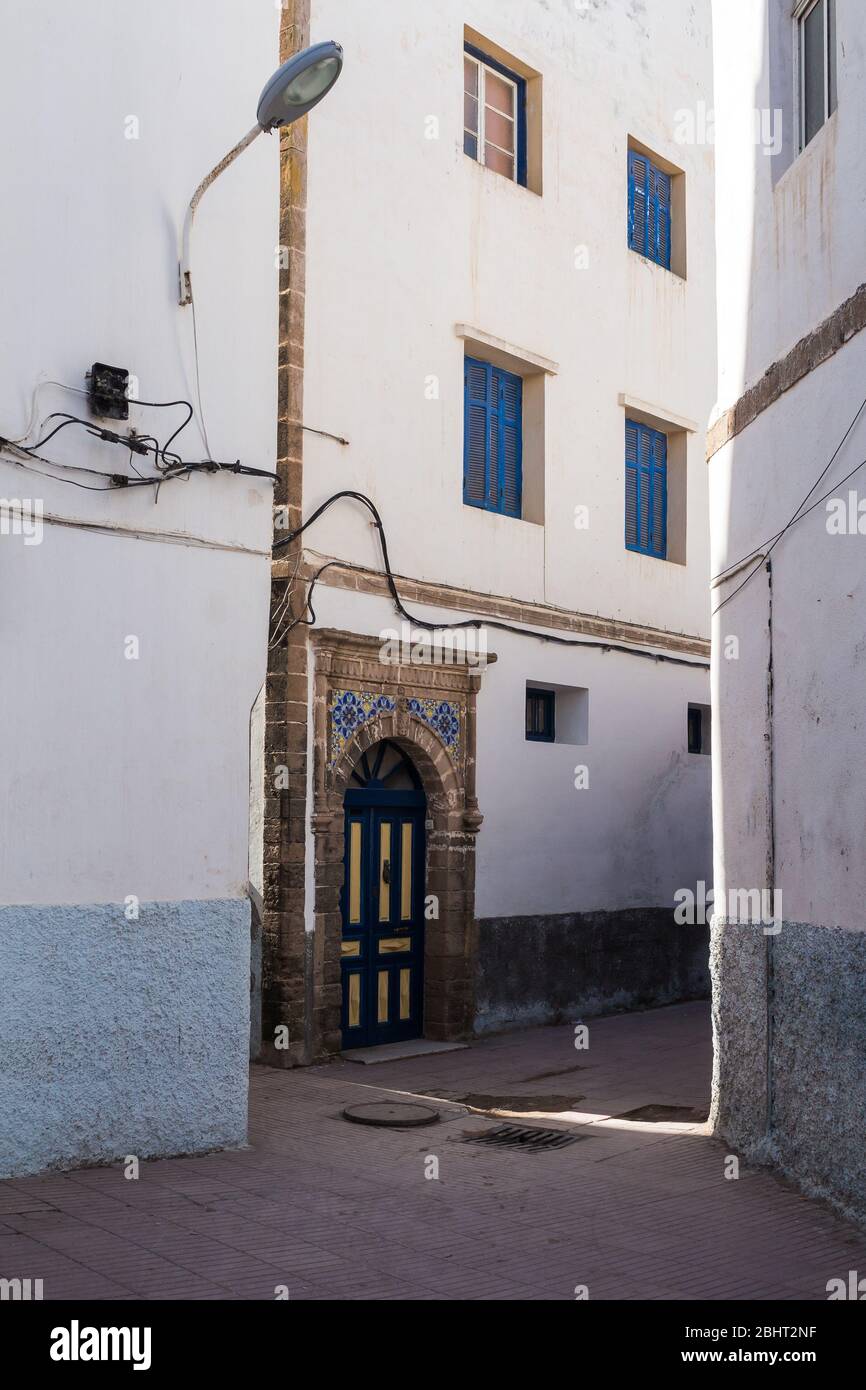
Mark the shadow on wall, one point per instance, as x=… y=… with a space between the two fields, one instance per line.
x=551 y=969
x=789 y=1027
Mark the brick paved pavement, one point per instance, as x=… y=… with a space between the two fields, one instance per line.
x=334 y=1210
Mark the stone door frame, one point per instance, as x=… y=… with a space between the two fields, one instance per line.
x=429 y=710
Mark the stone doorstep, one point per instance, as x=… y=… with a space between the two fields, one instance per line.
x=396 y=1052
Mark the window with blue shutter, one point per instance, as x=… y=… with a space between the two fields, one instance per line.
x=492 y=438
x=649 y=209
x=646 y=490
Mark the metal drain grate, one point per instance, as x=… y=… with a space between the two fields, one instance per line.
x=530 y=1139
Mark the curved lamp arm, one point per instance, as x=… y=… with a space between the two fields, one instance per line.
x=184 y=280
x=293 y=90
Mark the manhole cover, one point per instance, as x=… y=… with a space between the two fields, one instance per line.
x=671 y=1114
x=525 y=1137
x=391 y=1114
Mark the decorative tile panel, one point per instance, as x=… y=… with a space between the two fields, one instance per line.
x=443 y=717
x=348 y=710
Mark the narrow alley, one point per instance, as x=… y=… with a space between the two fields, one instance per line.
x=318 y=1208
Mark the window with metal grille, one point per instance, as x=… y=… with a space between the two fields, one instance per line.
x=816 y=24
x=541 y=716
x=494 y=115
x=646 y=490
x=649 y=209
x=492 y=438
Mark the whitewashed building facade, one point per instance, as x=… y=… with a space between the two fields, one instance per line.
x=134 y=625
x=788 y=507
x=497 y=325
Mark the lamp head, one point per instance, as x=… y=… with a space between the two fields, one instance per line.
x=299 y=85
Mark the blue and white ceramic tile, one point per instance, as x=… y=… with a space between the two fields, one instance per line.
x=442 y=717
x=349 y=710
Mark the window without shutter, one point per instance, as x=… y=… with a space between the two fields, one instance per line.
x=492 y=438
x=818 y=65
x=646 y=490
x=541 y=716
x=494 y=115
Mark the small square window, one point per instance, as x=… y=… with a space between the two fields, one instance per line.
x=541 y=716
x=494 y=115
x=699 y=728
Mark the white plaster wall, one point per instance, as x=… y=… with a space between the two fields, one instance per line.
x=790 y=248
x=408 y=237
x=123 y=778
x=131 y=776
x=819 y=656
x=788 y=255
x=639 y=831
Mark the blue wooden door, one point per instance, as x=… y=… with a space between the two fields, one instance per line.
x=382 y=948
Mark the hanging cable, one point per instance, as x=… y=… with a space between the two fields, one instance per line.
x=173 y=467
x=466 y=622
x=761 y=556
x=198 y=381
x=772 y=541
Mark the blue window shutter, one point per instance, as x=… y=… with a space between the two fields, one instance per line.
x=494 y=435
x=511 y=410
x=659 y=494
x=649 y=209
x=631 y=489
x=646 y=490
x=638 y=198
x=492 y=438
x=660 y=198
x=644 y=483
x=475 y=435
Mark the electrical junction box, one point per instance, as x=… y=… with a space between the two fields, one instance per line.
x=108 y=391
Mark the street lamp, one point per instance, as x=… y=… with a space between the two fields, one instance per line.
x=294 y=89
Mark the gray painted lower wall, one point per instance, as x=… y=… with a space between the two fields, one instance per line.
x=576 y=965
x=815 y=1125
x=122 y=1037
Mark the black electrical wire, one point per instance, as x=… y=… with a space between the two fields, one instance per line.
x=308 y=607
x=57 y=415
x=172 y=464
x=103 y=433
x=773 y=541
x=54 y=463
x=87 y=487
x=764 y=555
x=120 y=481
x=466 y=622
x=160 y=405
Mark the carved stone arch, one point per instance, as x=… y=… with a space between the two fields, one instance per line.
x=381 y=697
x=436 y=769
